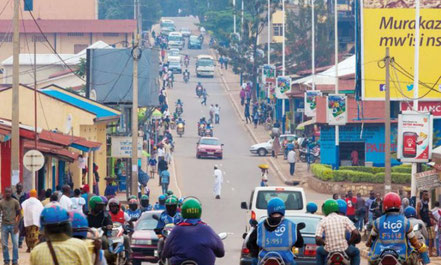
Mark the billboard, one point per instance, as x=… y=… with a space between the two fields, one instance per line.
x=268 y=73
x=414 y=137
x=283 y=86
x=336 y=109
x=432 y=107
x=391 y=23
x=311 y=102
x=122 y=147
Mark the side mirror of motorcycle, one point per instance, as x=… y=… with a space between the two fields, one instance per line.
x=300 y=226
x=156 y=217
x=223 y=235
x=244 y=235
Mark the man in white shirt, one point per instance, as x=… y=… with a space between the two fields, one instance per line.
x=292 y=161
x=32 y=208
x=216 y=114
x=65 y=200
x=77 y=201
x=218 y=180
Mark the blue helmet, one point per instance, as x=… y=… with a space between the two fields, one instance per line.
x=276 y=205
x=410 y=212
x=80 y=224
x=161 y=199
x=53 y=215
x=311 y=207
x=342 y=206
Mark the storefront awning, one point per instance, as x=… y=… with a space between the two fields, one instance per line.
x=302 y=125
x=68 y=140
x=51 y=149
x=85 y=145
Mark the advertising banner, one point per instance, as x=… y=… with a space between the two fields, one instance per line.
x=336 y=109
x=432 y=107
x=391 y=23
x=414 y=137
x=268 y=73
x=283 y=86
x=311 y=102
x=122 y=147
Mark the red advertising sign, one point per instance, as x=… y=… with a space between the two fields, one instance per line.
x=433 y=107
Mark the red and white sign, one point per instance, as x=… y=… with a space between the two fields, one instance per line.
x=433 y=107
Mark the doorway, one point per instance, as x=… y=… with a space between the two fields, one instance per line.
x=346 y=149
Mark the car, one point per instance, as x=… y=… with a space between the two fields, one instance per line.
x=144 y=241
x=166 y=30
x=262 y=149
x=194 y=42
x=185 y=32
x=174 y=55
x=304 y=255
x=175 y=67
x=175 y=40
x=209 y=147
x=205 y=66
x=294 y=198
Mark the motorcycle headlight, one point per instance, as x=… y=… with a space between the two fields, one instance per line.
x=141 y=242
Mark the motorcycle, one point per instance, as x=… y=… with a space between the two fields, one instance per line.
x=186 y=62
x=389 y=257
x=179 y=109
x=201 y=129
x=338 y=258
x=209 y=132
x=161 y=242
x=415 y=256
x=116 y=244
x=199 y=91
x=170 y=82
x=180 y=129
x=314 y=154
x=186 y=78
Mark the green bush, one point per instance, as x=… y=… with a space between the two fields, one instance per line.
x=402 y=169
x=360 y=174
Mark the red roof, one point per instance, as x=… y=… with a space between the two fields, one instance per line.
x=72 y=26
x=54 y=137
x=51 y=149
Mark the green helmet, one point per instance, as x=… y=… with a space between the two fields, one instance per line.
x=144 y=197
x=132 y=197
x=191 y=209
x=94 y=201
x=169 y=192
x=172 y=200
x=330 y=206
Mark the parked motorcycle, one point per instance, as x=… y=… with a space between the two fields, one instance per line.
x=180 y=129
x=314 y=154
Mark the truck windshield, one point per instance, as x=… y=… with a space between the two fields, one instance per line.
x=205 y=62
x=293 y=199
x=174 y=38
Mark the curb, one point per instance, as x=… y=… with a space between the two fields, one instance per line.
x=251 y=133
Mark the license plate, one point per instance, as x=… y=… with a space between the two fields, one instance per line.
x=210 y=153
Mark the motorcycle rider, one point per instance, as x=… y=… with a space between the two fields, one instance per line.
x=187 y=59
x=276 y=234
x=133 y=211
x=98 y=217
x=171 y=214
x=119 y=216
x=160 y=204
x=392 y=231
x=145 y=204
x=311 y=208
x=192 y=239
x=199 y=89
x=186 y=74
x=331 y=237
x=421 y=233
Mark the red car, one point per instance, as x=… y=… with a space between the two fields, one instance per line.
x=209 y=147
x=144 y=242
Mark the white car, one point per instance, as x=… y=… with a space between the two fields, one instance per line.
x=174 y=55
x=262 y=149
x=185 y=32
x=294 y=198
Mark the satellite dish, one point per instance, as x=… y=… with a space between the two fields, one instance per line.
x=92 y=95
x=68 y=124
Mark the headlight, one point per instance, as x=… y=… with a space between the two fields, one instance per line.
x=253 y=148
x=141 y=242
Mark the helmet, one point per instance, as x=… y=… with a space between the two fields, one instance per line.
x=133 y=201
x=161 y=199
x=181 y=201
x=53 y=215
x=342 y=206
x=391 y=201
x=311 y=207
x=80 y=224
x=191 y=209
x=104 y=198
x=330 y=206
x=169 y=192
x=410 y=212
x=94 y=201
x=132 y=197
x=172 y=200
x=144 y=197
x=276 y=205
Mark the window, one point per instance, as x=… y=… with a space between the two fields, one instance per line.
x=75 y=34
x=109 y=34
x=6 y=37
x=79 y=47
x=293 y=199
x=277 y=28
x=38 y=38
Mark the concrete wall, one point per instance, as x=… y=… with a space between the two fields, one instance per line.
x=55 y=9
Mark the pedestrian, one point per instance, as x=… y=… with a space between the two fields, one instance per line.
x=10 y=212
x=255 y=119
x=351 y=201
x=436 y=213
x=377 y=207
x=65 y=200
x=165 y=180
x=218 y=180
x=291 y=157
x=152 y=164
x=162 y=165
x=47 y=195
x=162 y=54
x=168 y=152
x=161 y=151
x=111 y=189
x=247 y=113
x=216 y=114
x=19 y=195
x=276 y=146
x=85 y=195
x=369 y=202
x=360 y=212
x=60 y=247
x=204 y=97
x=335 y=196
x=242 y=96
x=96 y=189
x=78 y=202
x=354 y=158
x=221 y=62
x=423 y=212
x=211 y=113
x=264 y=175
x=32 y=208
x=226 y=63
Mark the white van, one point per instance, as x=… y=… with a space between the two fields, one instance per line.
x=175 y=40
x=205 y=66
x=294 y=198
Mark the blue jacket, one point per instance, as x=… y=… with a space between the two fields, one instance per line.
x=193 y=240
x=165 y=177
x=165 y=218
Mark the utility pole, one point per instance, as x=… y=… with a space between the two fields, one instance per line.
x=35 y=107
x=269 y=32
x=15 y=149
x=241 y=19
x=283 y=55
x=387 y=165
x=313 y=44
x=234 y=14
x=136 y=53
x=337 y=129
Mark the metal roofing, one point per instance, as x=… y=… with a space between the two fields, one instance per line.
x=80 y=103
x=72 y=26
